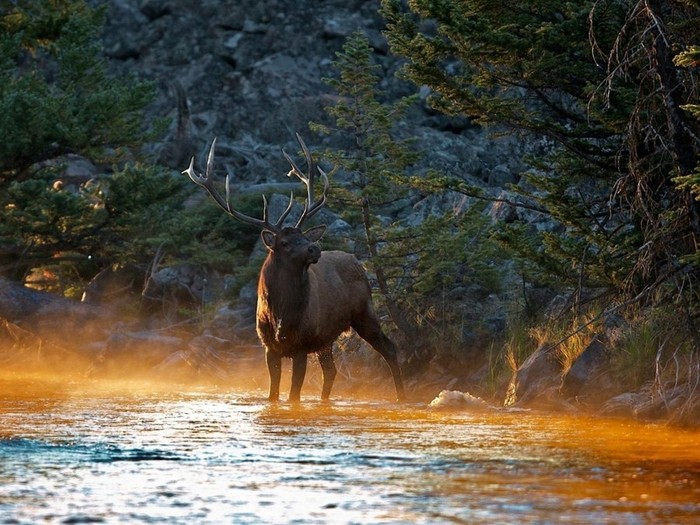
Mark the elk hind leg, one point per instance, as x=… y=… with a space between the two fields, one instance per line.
x=368 y=328
x=325 y=359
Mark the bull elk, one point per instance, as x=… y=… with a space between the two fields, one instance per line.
x=306 y=297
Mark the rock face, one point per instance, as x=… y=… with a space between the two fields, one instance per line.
x=251 y=73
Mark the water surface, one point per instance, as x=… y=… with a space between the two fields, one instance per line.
x=83 y=455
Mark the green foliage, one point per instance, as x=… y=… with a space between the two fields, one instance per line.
x=204 y=235
x=595 y=84
x=479 y=59
x=69 y=234
x=56 y=97
x=690 y=59
x=42 y=215
x=143 y=206
x=441 y=255
x=146 y=215
x=416 y=267
x=377 y=158
x=55 y=93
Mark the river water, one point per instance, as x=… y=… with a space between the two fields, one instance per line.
x=78 y=454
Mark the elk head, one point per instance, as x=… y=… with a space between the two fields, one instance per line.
x=291 y=243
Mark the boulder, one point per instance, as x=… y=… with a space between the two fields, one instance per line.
x=114 y=285
x=49 y=316
x=538 y=379
x=135 y=353
x=454 y=399
x=622 y=405
x=587 y=378
x=18 y=302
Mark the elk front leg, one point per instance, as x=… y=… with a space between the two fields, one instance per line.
x=325 y=359
x=298 y=373
x=274 y=368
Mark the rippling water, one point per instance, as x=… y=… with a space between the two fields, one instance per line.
x=216 y=456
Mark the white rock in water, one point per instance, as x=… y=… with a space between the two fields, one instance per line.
x=448 y=399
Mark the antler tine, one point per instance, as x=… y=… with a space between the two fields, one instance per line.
x=322 y=201
x=295 y=170
x=310 y=207
x=206 y=181
x=280 y=221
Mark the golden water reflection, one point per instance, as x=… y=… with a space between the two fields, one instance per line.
x=145 y=455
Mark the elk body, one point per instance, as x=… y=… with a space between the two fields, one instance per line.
x=306 y=297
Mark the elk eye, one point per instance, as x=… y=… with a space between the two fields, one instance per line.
x=284 y=244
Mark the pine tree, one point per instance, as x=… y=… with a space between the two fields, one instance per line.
x=415 y=266
x=56 y=95
x=375 y=160
x=56 y=98
x=689 y=60
x=595 y=83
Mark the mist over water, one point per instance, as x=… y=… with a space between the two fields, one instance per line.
x=128 y=453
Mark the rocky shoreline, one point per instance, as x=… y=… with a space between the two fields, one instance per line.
x=59 y=337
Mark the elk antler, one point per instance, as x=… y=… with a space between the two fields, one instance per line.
x=310 y=207
x=206 y=182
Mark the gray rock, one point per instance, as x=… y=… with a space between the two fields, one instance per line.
x=587 y=377
x=502 y=211
x=537 y=378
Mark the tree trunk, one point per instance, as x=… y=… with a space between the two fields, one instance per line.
x=396 y=313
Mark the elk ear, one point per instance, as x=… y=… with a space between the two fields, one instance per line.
x=314 y=234
x=268 y=239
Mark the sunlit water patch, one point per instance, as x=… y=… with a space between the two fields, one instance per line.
x=208 y=456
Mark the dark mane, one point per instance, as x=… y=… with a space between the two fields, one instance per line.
x=286 y=294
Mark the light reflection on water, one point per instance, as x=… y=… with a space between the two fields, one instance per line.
x=211 y=456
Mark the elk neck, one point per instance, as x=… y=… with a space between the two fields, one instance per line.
x=285 y=288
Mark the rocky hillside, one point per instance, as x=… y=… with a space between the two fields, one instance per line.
x=252 y=73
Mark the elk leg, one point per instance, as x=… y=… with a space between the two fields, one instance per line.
x=369 y=329
x=298 y=373
x=274 y=368
x=325 y=359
